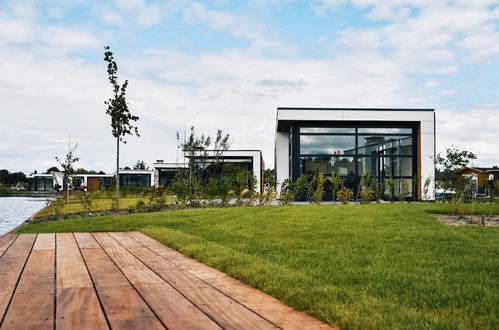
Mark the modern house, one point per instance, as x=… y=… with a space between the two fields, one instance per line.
x=386 y=143
x=45 y=182
x=90 y=182
x=136 y=178
x=211 y=162
x=164 y=173
x=481 y=177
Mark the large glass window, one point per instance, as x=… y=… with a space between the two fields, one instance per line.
x=384 y=145
x=327 y=144
x=136 y=180
x=327 y=164
x=383 y=151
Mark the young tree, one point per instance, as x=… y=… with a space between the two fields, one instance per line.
x=117 y=108
x=196 y=148
x=68 y=170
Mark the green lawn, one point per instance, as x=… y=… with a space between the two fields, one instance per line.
x=353 y=266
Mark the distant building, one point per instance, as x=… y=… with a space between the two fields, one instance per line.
x=164 y=173
x=481 y=176
x=211 y=162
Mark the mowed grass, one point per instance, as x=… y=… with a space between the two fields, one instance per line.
x=353 y=266
x=100 y=204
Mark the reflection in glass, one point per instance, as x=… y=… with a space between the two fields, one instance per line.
x=326 y=164
x=385 y=145
x=385 y=166
x=327 y=144
x=386 y=130
x=327 y=130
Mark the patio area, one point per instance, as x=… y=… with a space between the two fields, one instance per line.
x=125 y=280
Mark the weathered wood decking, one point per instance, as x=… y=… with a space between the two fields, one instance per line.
x=125 y=280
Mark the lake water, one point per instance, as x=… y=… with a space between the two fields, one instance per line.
x=15 y=210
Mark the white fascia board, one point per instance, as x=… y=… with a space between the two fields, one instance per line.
x=136 y=171
x=354 y=115
x=171 y=165
x=291 y=114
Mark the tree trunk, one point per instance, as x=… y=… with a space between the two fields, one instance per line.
x=117 y=191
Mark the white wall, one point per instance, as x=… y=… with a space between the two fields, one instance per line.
x=281 y=157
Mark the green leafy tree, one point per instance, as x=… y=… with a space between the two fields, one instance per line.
x=52 y=169
x=448 y=165
x=68 y=169
x=117 y=108
x=140 y=165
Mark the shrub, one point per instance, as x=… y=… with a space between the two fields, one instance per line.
x=366 y=196
x=140 y=205
x=335 y=180
x=391 y=186
x=132 y=209
x=55 y=206
x=157 y=199
x=318 y=182
x=344 y=195
x=180 y=187
x=287 y=196
x=86 y=202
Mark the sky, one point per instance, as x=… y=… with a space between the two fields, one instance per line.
x=229 y=64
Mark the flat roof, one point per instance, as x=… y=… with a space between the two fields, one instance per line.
x=356 y=109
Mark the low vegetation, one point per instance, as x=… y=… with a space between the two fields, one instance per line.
x=353 y=266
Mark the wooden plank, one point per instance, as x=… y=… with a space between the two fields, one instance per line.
x=44 y=242
x=32 y=305
x=71 y=270
x=174 y=310
x=123 y=306
x=11 y=265
x=77 y=302
x=227 y=312
x=265 y=305
x=5 y=242
x=86 y=241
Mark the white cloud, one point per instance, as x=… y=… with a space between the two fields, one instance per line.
x=474 y=130
x=46 y=94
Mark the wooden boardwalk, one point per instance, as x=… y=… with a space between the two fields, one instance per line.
x=125 y=281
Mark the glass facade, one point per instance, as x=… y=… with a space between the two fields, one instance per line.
x=135 y=180
x=41 y=183
x=167 y=175
x=384 y=150
x=211 y=168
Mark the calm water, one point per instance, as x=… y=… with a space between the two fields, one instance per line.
x=14 y=210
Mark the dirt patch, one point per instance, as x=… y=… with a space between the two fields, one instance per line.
x=466 y=220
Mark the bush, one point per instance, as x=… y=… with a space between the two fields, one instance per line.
x=140 y=205
x=157 y=200
x=55 y=206
x=287 y=196
x=86 y=202
x=344 y=195
x=318 y=182
x=366 y=196
x=132 y=209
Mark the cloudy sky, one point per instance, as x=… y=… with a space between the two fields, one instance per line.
x=230 y=64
